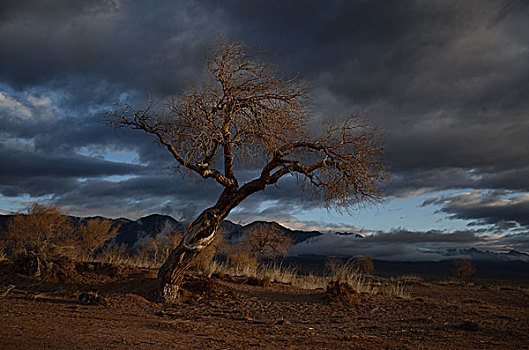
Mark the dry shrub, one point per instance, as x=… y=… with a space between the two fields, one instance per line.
x=340 y=270
x=94 y=234
x=343 y=274
x=241 y=260
x=48 y=232
x=310 y=281
x=348 y=272
x=340 y=292
x=463 y=269
x=256 y=274
x=243 y=257
x=276 y=272
x=364 y=264
x=40 y=231
x=397 y=289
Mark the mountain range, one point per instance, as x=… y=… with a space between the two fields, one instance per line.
x=133 y=232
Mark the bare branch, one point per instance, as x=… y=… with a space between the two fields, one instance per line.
x=142 y=119
x=248 y=116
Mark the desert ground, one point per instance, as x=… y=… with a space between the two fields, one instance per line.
x=103 y=306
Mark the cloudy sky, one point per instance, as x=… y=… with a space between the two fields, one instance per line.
x=447 y=81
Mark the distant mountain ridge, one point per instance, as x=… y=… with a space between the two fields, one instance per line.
x=131 y=232
x=234 y=231
x=476 y=254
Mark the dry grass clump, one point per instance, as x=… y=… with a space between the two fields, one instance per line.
x=271 y=272
x=115 y=253
x=349 y=272
x=343 y=274
x=3 y=255
x=395 y=289
x=310 y=281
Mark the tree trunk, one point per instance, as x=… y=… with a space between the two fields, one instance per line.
x=197 y=236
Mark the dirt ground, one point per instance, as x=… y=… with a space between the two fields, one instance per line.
x=93 y=306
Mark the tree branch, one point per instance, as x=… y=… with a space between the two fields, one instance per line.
x=141 y=120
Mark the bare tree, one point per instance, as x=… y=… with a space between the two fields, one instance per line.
x=268 y=242
x=249 y=116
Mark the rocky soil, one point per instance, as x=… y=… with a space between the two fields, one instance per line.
x=97 y=306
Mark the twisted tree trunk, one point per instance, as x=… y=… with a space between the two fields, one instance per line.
x=197 y=236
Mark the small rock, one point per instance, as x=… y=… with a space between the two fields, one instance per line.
x=469 y=326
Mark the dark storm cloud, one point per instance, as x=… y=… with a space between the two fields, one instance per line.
x=447 y=83
x=134 y=197
x=504 y=212
x=26 y=164
x=38 y=174
x=130 y=43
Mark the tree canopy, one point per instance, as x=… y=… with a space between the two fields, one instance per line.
x=249 y=115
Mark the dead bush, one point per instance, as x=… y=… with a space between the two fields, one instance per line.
x=241 y=260
x=93 y=235
x=338 y=269
x=463 y=269
x=43 y=231
x=364 y=264
x=49 y=233
x=337 y=291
